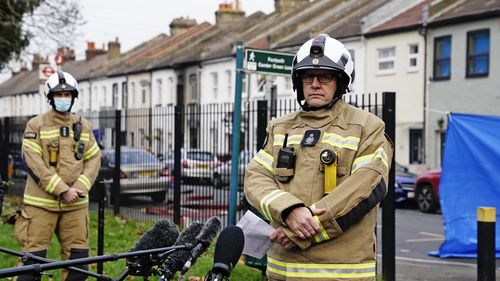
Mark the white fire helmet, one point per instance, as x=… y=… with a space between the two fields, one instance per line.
x=323 y=52
x=60 y=82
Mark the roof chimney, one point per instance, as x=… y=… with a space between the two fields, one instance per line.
x=92 y=52
x=67 y=53
x=37 y=60
x=114 y=50
x=282 y=6
x=179 y=25
x=228 y=13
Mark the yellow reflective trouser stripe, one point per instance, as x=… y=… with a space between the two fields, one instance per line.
x=264 y=203
x=54 y=181
x=321 y=235
x=310 y=270
x=83 y=179
x=91 y=152
x=363 y=160
x=49 y=134
x=33 y=146
x=351 y=143
x=279 y=139
x=265 y=159
x=43 y=202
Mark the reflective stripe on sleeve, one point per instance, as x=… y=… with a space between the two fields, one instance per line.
x=321 y=235
x=295 y=139
x=33 y=146
x=264 y=203
x=86 y=182
x=91 y=152
x=363 y=160
x=314 y=270
x=351 y=143
x=265 y=159
x=54 y=181
x=279 y=139
x=43 y=202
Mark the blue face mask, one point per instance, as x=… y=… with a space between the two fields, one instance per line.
x=62 y=104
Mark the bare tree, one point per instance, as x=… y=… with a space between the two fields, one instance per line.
x=37 y=26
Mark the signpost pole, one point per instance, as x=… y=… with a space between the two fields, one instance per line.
x=235 y=149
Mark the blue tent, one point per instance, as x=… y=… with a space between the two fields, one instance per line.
x=470 y=179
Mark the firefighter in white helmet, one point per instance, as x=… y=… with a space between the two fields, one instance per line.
x=63 y=159
x=321 y=174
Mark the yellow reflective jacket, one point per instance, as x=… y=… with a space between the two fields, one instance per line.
x=344 y=248
x=46 y=182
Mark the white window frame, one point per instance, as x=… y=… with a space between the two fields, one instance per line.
x=412 y=56
x=159 y=84
x=386 y=59
x=229 y=84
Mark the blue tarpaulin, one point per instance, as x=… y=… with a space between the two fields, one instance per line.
x=470 y=179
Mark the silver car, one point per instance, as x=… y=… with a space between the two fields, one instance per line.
x=141 y=173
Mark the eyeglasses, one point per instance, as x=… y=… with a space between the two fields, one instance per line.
x=323 y=78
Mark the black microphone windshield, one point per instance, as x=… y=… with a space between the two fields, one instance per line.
x=228 y=249
x=209 y=231
x=162 y=234
x=176 y=260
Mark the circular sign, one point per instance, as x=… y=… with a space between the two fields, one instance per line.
x=48 y=70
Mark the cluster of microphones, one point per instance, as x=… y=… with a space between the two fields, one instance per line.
x=163 y=251
x=228 y=247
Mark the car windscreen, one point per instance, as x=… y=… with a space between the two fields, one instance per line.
x=133 y=157
x=200 y=156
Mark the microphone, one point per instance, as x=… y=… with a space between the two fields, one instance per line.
x=176 y=260
x=227 y=252
x=203 y=240
x=162 y=234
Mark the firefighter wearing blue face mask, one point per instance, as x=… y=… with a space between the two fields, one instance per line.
x=63 y=159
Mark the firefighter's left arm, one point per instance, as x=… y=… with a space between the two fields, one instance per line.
x=91 y=163
x=356 y=196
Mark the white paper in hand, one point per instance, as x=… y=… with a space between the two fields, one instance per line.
x=257 y=233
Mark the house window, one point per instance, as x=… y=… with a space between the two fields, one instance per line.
x=142 y=136
x=143 y=95
x=228 y=75
x=288 y=83
x=133 y=92
x=351 y=51
x=413 y=58
x=478 y=53
x=124 y=95
x=214 y=84
x=104 y=94
x=244 y=83
x=115 y=94
x=160 y=94
x=193 y=86
x=442 y=58
x=386 y=60
x=415 y=146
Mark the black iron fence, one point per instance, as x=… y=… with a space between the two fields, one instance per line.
x=145 y=139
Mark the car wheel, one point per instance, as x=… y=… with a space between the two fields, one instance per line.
x=217 y=182
x=426 y=199
x=158 y=197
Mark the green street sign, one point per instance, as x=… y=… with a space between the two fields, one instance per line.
x=268 y=62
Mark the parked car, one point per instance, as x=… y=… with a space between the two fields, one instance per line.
x=222 y=174
x=405 y=181
x=140 y=173
x=427 y=191
x=197 y=165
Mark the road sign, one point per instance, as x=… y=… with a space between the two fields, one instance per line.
x=45 y=70
x=269 y=62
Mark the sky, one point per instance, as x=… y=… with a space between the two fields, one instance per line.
x=134 y=22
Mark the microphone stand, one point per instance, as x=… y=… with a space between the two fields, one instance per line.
x=90 y=260
x=26 y=256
